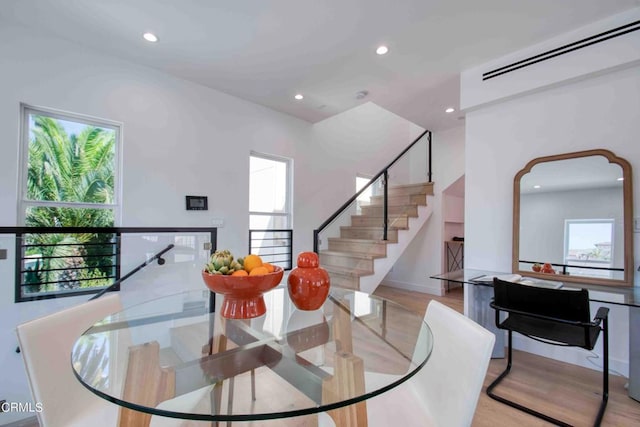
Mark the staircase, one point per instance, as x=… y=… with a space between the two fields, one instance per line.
x=360 y=258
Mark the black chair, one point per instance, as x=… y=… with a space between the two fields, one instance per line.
x=553 y=316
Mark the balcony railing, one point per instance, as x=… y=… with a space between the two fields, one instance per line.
x=52 y=262
x=273 y=246
x=579 y=268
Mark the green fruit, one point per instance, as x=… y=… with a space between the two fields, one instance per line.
x=222 y=262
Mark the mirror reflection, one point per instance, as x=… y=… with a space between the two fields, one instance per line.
x=571 y=218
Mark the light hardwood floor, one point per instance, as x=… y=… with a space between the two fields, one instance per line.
x=562 y=390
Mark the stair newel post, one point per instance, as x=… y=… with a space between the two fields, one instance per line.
x=429 y=159
x=385 y=205
x=316 y=241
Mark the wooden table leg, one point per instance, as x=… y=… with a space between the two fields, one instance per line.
x=146 y=383
x=342 y=328
x=217 y=344
x=347 y=382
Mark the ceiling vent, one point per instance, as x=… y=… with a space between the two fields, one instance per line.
x=616 y=32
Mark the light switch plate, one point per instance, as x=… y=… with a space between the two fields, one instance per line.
x=636 y=224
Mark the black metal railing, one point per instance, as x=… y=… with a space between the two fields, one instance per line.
x=565 y=267
x=273 y=246
x=52 y=262
x=116 y=285
x=384 y=176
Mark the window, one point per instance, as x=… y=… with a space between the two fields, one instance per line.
x=69 y=178
x=269 y=192
x=365 y=197
x=589 y=243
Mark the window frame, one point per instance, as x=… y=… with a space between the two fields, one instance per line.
x=288 y=205
x=23 y=202
x=567 y=237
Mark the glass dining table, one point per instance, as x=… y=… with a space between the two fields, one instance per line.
x=176 y=357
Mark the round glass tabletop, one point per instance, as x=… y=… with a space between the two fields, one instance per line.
x=173 y=357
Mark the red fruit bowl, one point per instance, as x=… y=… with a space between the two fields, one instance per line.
x=242 y=294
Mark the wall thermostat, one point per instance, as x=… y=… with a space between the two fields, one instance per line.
x=197 y=203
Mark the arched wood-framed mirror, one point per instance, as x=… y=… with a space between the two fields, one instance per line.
x=574 y=211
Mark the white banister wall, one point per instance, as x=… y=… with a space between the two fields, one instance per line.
x=423 y=256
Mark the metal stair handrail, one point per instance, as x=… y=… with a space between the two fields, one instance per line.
x=383 y=173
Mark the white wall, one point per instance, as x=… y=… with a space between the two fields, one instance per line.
x=179 y=139
x=601 y=57
x=600 y=110
x=423 y=256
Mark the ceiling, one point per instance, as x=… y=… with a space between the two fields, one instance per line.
x=582 y=173
x=266 y=51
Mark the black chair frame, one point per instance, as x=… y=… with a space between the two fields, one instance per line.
x=591 y=330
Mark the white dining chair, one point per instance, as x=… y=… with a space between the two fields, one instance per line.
x=45 y=345
x=445 y=392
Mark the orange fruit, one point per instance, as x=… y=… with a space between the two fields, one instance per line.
x=251 y=262
x=239 y=273
x=259 y=271
x=270 y=267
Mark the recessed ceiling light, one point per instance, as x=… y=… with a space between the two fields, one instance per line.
x=381 y=50
x=536 y=186
x=620 y=179
x=299 y=96
x=450 y=110
x=150 y=37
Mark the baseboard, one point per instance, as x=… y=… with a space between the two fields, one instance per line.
x=424 y=288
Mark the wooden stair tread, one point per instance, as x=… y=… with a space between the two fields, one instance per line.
x=389 y=204
x=370 y=227
x=392 y=215
x=346 y=271
x=351 y=257
x=352 y=240
x=414 y=185
x=394 y=201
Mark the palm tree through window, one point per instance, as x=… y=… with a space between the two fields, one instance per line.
x=69 y=179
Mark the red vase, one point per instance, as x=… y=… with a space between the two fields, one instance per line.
x=308 y=284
